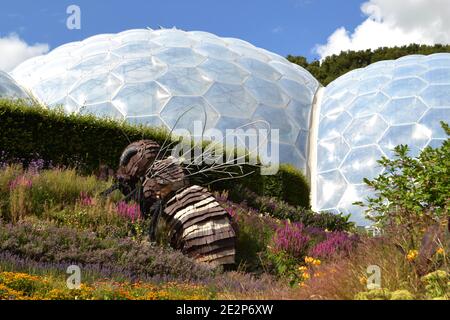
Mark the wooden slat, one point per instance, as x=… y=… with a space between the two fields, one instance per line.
x=200 y=226
x=186 y=201
x=196 y=217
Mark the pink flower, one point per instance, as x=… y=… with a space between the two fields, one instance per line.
x=86 y=200
x=20 y=181
x=292 y=239
x=130 y=211
x=232 y=213
x=336 y=243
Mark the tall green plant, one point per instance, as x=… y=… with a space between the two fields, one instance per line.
x=412 y=192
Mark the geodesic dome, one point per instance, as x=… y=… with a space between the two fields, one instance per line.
x=9 y=88
x=151 y=77
x=366 y=113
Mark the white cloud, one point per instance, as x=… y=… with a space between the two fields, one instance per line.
x=14 y=50
x=393 y=23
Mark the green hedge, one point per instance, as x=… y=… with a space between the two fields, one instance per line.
x=28 y=131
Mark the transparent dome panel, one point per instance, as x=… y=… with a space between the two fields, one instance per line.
x=375 y=109
x=142 y=75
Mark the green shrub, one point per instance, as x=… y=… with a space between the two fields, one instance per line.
x=383 y=294
x=412 y=193
x=87 y=143
x=288 y=184
x=282 y=210
x=437 y=285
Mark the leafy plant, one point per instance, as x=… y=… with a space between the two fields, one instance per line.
x=412 y=193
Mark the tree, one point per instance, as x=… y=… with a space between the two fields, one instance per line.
x=335 y=66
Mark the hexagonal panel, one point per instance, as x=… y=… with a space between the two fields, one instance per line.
x=173 y=38
x=180 y=57
x=300 y=112
x=187 y=112
x=141 y=99
x=339 y=103
x=362 y=163
x=247 y=51
x=259 y=69
x=136 y=49
x=288 y=71
x=54 y=89
x=435 y=61
x=334 y=125
x=404 y=110
x=405 y=87
x=330 y=189
x=231 y=100
x=185 y=82
x=438 y=76
x=416 y=136
x=9 y=88
x=215 y=51
x=437 y=96
x=96 y=89
x=94 y=47
x=140 y=70
x=94 y=64
x=278 y=120
x=408 y=70
x=352 y=194
x=266 y=92
x=224 y=71
x=331 y=153
x=368 y=104
x=296 y=90
x=302 y=143
x=432 y=121
x=372 y=84
x=364 y=131
x=69 y=105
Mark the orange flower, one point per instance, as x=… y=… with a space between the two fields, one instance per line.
x=412 y=255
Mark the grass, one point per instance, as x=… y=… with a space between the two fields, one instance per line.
x=53 y=218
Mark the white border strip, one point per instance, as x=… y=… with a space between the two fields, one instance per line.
x=312 y=143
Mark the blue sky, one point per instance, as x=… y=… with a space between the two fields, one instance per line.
x=282 y=26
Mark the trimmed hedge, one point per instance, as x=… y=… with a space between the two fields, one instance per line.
x=28 y=131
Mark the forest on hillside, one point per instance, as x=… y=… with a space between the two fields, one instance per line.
x=334 y=66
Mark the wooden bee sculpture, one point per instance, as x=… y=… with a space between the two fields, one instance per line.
x=197 y=224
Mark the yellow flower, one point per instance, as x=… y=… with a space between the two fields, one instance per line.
x=309 y=260
x=440 y=251
x=302 y=269
x=412 y=255
x=317 y=275
x=306 y=275
x=316 y=262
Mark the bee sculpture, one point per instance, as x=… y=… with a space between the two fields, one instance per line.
x=197 y=224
